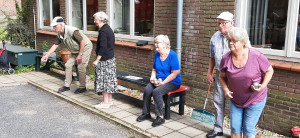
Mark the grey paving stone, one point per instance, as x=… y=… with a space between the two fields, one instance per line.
x=130 y=119
x=122 y=114
x=83 y=98
x=135 y=110
x=92 y=102
x=175 y=125
x=191 y=131
x=124 y=106
x=160 y=130
x=144 y=125
x=176 y=135
x=188 y=121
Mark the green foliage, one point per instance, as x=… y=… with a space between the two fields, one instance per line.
x=3 y=33
x=23 y=69
x=17 y=29
x=45 y=46
x=227 y=119
x=92 y=77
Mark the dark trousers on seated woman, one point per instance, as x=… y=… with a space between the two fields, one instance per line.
x=157 y=93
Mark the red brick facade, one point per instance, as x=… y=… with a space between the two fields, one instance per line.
x=282 y=111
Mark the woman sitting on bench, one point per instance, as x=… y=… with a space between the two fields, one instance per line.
x=165 y=77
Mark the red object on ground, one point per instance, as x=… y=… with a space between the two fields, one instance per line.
x=296 y=131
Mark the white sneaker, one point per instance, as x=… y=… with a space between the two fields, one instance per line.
x=102 y=105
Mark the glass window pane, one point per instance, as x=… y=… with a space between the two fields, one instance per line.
x=91 y=9
x=297 y=47
x=77 y=14
x=55 y=8
x=144 y=16
x=267 y=23
x=46 y=12
x=121 y=16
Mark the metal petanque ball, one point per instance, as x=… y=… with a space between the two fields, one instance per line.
x=256 y=85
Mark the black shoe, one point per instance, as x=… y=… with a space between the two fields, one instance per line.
x=213 y=134
x=80 y=90
x=143 y=117
x=62 y=89
x=158 y=121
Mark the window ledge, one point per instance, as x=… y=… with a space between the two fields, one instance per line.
x=291 y=66
x=94 y=39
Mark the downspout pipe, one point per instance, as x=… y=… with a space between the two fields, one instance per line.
x=179 y=34
x=179 y=29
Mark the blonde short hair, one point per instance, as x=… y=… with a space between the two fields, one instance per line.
x=240 y=34
x=102 y=16
x=163 y=39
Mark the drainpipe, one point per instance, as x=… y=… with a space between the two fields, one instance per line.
x=179 y=34
x=179 y=29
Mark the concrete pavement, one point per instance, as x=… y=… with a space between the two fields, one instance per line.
x=124 y=111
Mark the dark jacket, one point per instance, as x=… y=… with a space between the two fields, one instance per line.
x=105 y=43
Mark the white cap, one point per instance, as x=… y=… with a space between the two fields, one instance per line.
x=226 y=16
x=57 y=20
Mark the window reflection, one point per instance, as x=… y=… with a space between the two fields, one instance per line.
x=144 y=15
x=297 y=47
x=46 y=12
x=77 y=14
x=122 y=16
x=267 y=23
x=91 y=9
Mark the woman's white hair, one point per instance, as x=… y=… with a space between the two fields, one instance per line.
x=163 y=39
x=240 y=34
x=102 y=16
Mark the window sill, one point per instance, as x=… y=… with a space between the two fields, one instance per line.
x=117 y=43
x=291 y=66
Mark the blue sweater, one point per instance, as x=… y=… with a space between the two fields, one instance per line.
x=164 y=68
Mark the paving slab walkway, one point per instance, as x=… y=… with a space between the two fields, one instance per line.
x=125 y=109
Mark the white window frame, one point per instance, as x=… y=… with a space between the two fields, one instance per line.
x=69 y=16
x=40 y=15
x=289 y=53
x=110 y=5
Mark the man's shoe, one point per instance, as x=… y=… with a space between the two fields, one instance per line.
x=158 y=121
x=213 y=134
x=80 y=90
x=62 y=89
x=143 y=117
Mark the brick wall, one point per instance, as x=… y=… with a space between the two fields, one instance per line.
x=8 y=6
x=283 y=104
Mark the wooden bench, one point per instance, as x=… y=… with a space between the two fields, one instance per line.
x=168 y=98
x=50 y=61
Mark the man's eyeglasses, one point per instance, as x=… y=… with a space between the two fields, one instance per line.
x=222 y=24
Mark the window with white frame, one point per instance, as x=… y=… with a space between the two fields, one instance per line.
x=80 y=14
x=133 y=19
x=272 y=26
x=48 y=9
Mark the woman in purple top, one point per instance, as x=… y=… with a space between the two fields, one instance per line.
x=240 y=69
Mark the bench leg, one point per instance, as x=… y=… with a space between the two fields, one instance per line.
x=77 y=73
x=167 y=106
x=181 y=104
x=38 y=63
